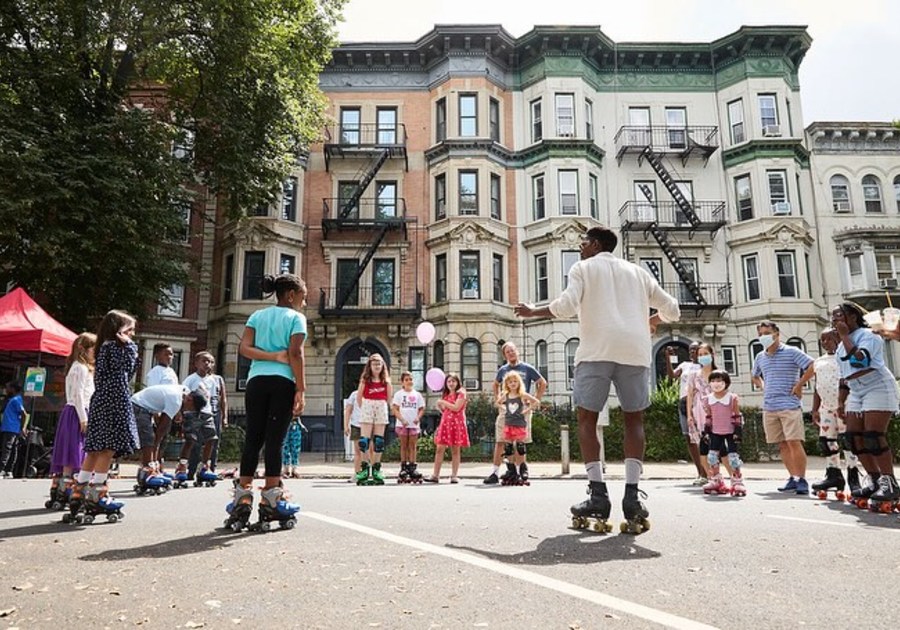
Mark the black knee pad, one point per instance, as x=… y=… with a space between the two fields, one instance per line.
x=846 y=440
x=363 y=444
x=520 y=448
x=378 y=443
x=874 y=442
x=827 y=446
x=507 y=450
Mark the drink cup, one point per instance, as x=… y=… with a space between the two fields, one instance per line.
x=673 y=359
x=891 y=317
x=873 y=319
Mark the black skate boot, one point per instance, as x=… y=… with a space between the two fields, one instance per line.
x=510 y=477
x=860 y=496
x=491 y=479
x=523 y=475
x=886 y=498
x=635 y=511
x=593 y=513
x=834 y=480
x=403 y=477
x=852 y=480
x=414 y=475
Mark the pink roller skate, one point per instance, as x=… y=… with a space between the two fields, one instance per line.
x=737 y=485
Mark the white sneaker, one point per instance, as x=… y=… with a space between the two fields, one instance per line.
x=700 y=481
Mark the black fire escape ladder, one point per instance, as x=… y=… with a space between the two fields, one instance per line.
x=364 y=177
x=666 y=178
x=348 y=290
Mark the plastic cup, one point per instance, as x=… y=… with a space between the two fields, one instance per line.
x=891 y=317
x=873 y=319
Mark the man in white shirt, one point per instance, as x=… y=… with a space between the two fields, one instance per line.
x=684 y=371
x=611 y=298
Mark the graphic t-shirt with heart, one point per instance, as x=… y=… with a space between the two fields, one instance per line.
x=515 y=412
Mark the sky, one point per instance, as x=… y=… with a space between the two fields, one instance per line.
x=847 y=75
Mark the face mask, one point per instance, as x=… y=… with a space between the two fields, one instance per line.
x=766 y=341
x=704 y=359
x=717 y=386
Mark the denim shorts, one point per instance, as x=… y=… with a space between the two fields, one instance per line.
x=593 y=378
x=875 y=391
x=199 y=427
x=144 y=419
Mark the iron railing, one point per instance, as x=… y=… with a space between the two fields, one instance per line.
x=634 y=214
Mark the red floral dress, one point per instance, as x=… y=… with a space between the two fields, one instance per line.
x=453 y=430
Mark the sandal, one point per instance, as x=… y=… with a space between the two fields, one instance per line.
x=431 y=479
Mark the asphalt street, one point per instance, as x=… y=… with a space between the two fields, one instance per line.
x=449 y=556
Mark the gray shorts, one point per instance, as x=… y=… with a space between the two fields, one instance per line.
x=199 y=427
x=593 y=378
x=144 y=419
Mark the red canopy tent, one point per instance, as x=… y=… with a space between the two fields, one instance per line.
x=26 y=327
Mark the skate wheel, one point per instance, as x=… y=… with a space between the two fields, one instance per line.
x=66 y=518
x=289 y=524
x=822 y=494
x=601 y=527
x=212 y=484
x=120 y=515
x=885 y=508
x=111 y=518
x=235 y=527
x=49 y=505
x=265 y=526
x=88 y=519
x=840 y=496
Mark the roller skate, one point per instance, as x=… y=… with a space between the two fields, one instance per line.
x=377 y=475
x=491 y=480
x=860 y=496
x=76 y=504
x=206 y=477
x=98 y=502
x=834 y=480
x=149 y=482
x=403 y=477
x=273 y=506
x=181 y=478
x=362 y=477
x=414 y=475
x=715 y=485
x=635 y=511
x=852 y=480
x=523 y=475
x=60 y=489
x=886 y=499
x=511 y=476
x=240 y=509
x=593 y=513
x=737 y=485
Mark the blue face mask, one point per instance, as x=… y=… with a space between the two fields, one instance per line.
x=704 y=359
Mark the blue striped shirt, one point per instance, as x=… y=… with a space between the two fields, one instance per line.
x=780 y=372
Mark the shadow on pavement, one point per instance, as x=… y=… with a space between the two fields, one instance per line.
x=51 y=527
x=873 y=519
x=578 y=547
x=200 y=543
x=26 y=512
x=775 y=495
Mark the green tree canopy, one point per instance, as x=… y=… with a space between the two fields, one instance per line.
x=94 y=95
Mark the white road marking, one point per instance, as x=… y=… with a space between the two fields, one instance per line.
x=820 y=522
x=608 y=601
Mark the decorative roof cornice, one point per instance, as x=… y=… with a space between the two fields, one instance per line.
x=840 y=137
x=544 y=150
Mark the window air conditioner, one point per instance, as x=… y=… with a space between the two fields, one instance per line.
x=772 y=131
x=470 y=294
x=781 y=207
x=888 y=283
x=842 y=206
x=471 y=384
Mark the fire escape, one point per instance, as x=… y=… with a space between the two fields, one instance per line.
x=663 y=219
x=369 y=220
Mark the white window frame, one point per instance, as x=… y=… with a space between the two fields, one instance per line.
x=842 y=203
x=571 y=349
x=567 y=180
x=541 y=278
x=764 y=119
x=467 y=117
x=540 y=358
x=594 y=194
x=774 y=196
x=748 y=278
x=537 y=123
x=538 y=197
x=567 y=259
x=736 y=126
x=588 y=119
x=792 y=257
x=496 y=197
x=872 y=196
x=440 y=278
x=893 y=260
x=468 y=293
x=729 y=358
x=856 y=272
x=461 y=195
x=175 y=294
x=738 y=199
x=565 y=114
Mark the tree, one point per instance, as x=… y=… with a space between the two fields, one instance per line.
x=94 y=95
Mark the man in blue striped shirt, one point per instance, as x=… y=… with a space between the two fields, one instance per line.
x=776 y=370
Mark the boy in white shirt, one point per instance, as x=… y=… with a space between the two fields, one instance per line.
x=408 y=406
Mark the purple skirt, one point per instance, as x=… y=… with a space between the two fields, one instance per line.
x=68 y=445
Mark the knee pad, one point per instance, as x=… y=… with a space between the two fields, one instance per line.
x=713 y=458
x=507 y=450
x=735 y=460
x=363 y=444
x=520 y=448
x=378 y=442
x=846 y=440
x=828 y=446
x=874 y=443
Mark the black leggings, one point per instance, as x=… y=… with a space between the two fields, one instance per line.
x=270 y=403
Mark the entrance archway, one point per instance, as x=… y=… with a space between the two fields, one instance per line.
x=659 y=356
x=349 y=366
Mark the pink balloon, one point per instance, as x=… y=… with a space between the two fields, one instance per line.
x=425 y=332
x=435 y=378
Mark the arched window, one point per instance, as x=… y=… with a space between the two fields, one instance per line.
x=438 y=351
x=471 y=365
x=540 y=358
x=571 y=349
x=755 y=348
x=796 y=342
x=501 y=360
x=897 y=191
x=872 y=193
x=840 y=194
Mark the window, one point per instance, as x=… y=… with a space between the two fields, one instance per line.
x=778 y=192
x=571 y=349
x=686 y=188
x=262 y=210
x=501 y=360
x=855 y=272
x=751 y=277
x=744 y=195
x=438 y=351
x=755 y=348
x=287 y=264
x=468 y=192
x=540 y=358
x=417 y=368
x=173 y=303
x=243 y=371
x=385 y=200
x=350 y=127
x=183 y=146
x=537 y=197
x=347 y=282
x=588 y=119
x=440 y=278
x=383 y=282
x=768 y=114
x=568 y=192
x=729 y=360
x=228 y=283
x=897 y=191
x=495 y=196
x=494 y=119
x=541 y=284
x=184 y=209
x=639 y=133
x=872 y=193
x=471 y=364
x=887 y=265
x=796 y=342
x=595 y=201
x=289 y=199
x=468 y=115
x=565 y=115
x=676 y=127
x=469 y=276
x=440 y=120
x=654 y=267
x=840 y=194
x=537 y=125
x=736 y=121
x=645 y=200
x=386 y=124
x=787 y=274
x=685 y=295
x=440 y=197
x=348 y=208
x=568 y=259
x=497 y=277
x=254 y=268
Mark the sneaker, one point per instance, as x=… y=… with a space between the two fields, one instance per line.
x=802 y=486
x=790 y=485
x=491 y=479
x=700 y=481
x=454 y=479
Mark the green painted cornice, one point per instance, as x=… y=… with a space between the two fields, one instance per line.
x=766 y=148
x=544 y=150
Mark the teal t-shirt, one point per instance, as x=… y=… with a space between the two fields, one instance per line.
x=274 y=326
